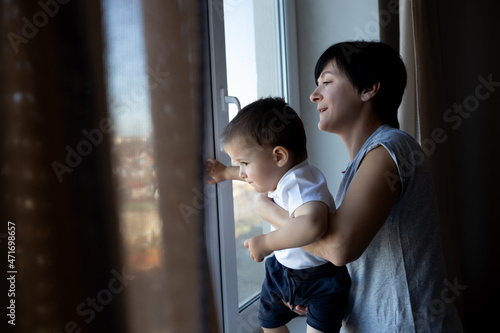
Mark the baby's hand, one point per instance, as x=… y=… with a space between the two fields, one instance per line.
x=214 y=171
x=257 y=247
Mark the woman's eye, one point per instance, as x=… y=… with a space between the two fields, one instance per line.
x=326 y=82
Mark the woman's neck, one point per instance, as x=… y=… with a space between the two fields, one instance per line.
x=356 y=137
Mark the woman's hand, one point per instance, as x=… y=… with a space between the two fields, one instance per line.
x=298 y=309
x=258 y=247
x=262 y=205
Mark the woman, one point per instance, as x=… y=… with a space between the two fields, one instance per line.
x=386 y=228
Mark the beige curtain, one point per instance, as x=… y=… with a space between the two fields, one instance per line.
x=408 y=113
x=178 y=296
x=57 y=192
x=422 y=108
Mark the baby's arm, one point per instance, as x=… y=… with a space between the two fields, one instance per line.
x=216 y=172
x=311 y=222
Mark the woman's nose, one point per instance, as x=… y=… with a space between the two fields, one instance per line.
x=315 y=97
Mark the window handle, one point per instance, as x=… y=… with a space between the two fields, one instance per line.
x=229 y=100
x=233 y=100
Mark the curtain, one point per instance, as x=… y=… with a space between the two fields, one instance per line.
x=408 y=113
x=179 y=294
x=422 y=108
x=59 y=219
x=59 y=201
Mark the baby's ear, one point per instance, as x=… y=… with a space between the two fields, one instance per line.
x=280 y=155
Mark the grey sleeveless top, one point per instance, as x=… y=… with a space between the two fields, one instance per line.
x=399 y=281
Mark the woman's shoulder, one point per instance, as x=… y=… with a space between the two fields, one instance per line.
x=393 y=139
x=388 y=133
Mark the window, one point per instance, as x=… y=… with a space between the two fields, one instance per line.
x=253 y=70
x=247 y=61
x=130 y=80
x=248 y=48
x=132 y=144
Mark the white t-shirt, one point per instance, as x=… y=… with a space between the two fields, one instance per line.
x=301 y=184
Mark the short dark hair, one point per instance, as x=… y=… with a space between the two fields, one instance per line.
x=365 y=63
x=269 y=122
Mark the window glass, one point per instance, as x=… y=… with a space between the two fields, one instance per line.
x=128 y=102
x=253 y=70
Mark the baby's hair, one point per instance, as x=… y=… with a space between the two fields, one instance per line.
x=268 y=122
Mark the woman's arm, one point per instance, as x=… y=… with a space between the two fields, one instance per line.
x=366 y=205
x=311 y=221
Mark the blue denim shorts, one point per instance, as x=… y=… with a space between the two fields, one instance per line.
x=323 y=289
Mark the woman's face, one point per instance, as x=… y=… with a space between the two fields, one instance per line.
x=339 y=102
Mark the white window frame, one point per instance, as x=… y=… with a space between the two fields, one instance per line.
x=219 y=233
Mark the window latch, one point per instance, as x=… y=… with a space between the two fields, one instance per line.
x=229 y=100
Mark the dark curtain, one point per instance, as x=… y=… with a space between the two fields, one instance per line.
x=57 y=187
x=421 y=111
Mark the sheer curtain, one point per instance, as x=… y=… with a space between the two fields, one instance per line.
x=422 y=108
x=58 y=205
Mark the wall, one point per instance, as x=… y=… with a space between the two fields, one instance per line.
x=321 y=23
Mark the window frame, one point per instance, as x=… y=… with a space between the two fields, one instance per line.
x=219 y=233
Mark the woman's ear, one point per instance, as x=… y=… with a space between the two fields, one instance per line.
x=280 y=155
x=369 y=93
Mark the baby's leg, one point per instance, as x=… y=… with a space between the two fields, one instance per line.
x=282 y=329
x=311 y=330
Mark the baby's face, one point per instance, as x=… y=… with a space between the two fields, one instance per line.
x=257 y=164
